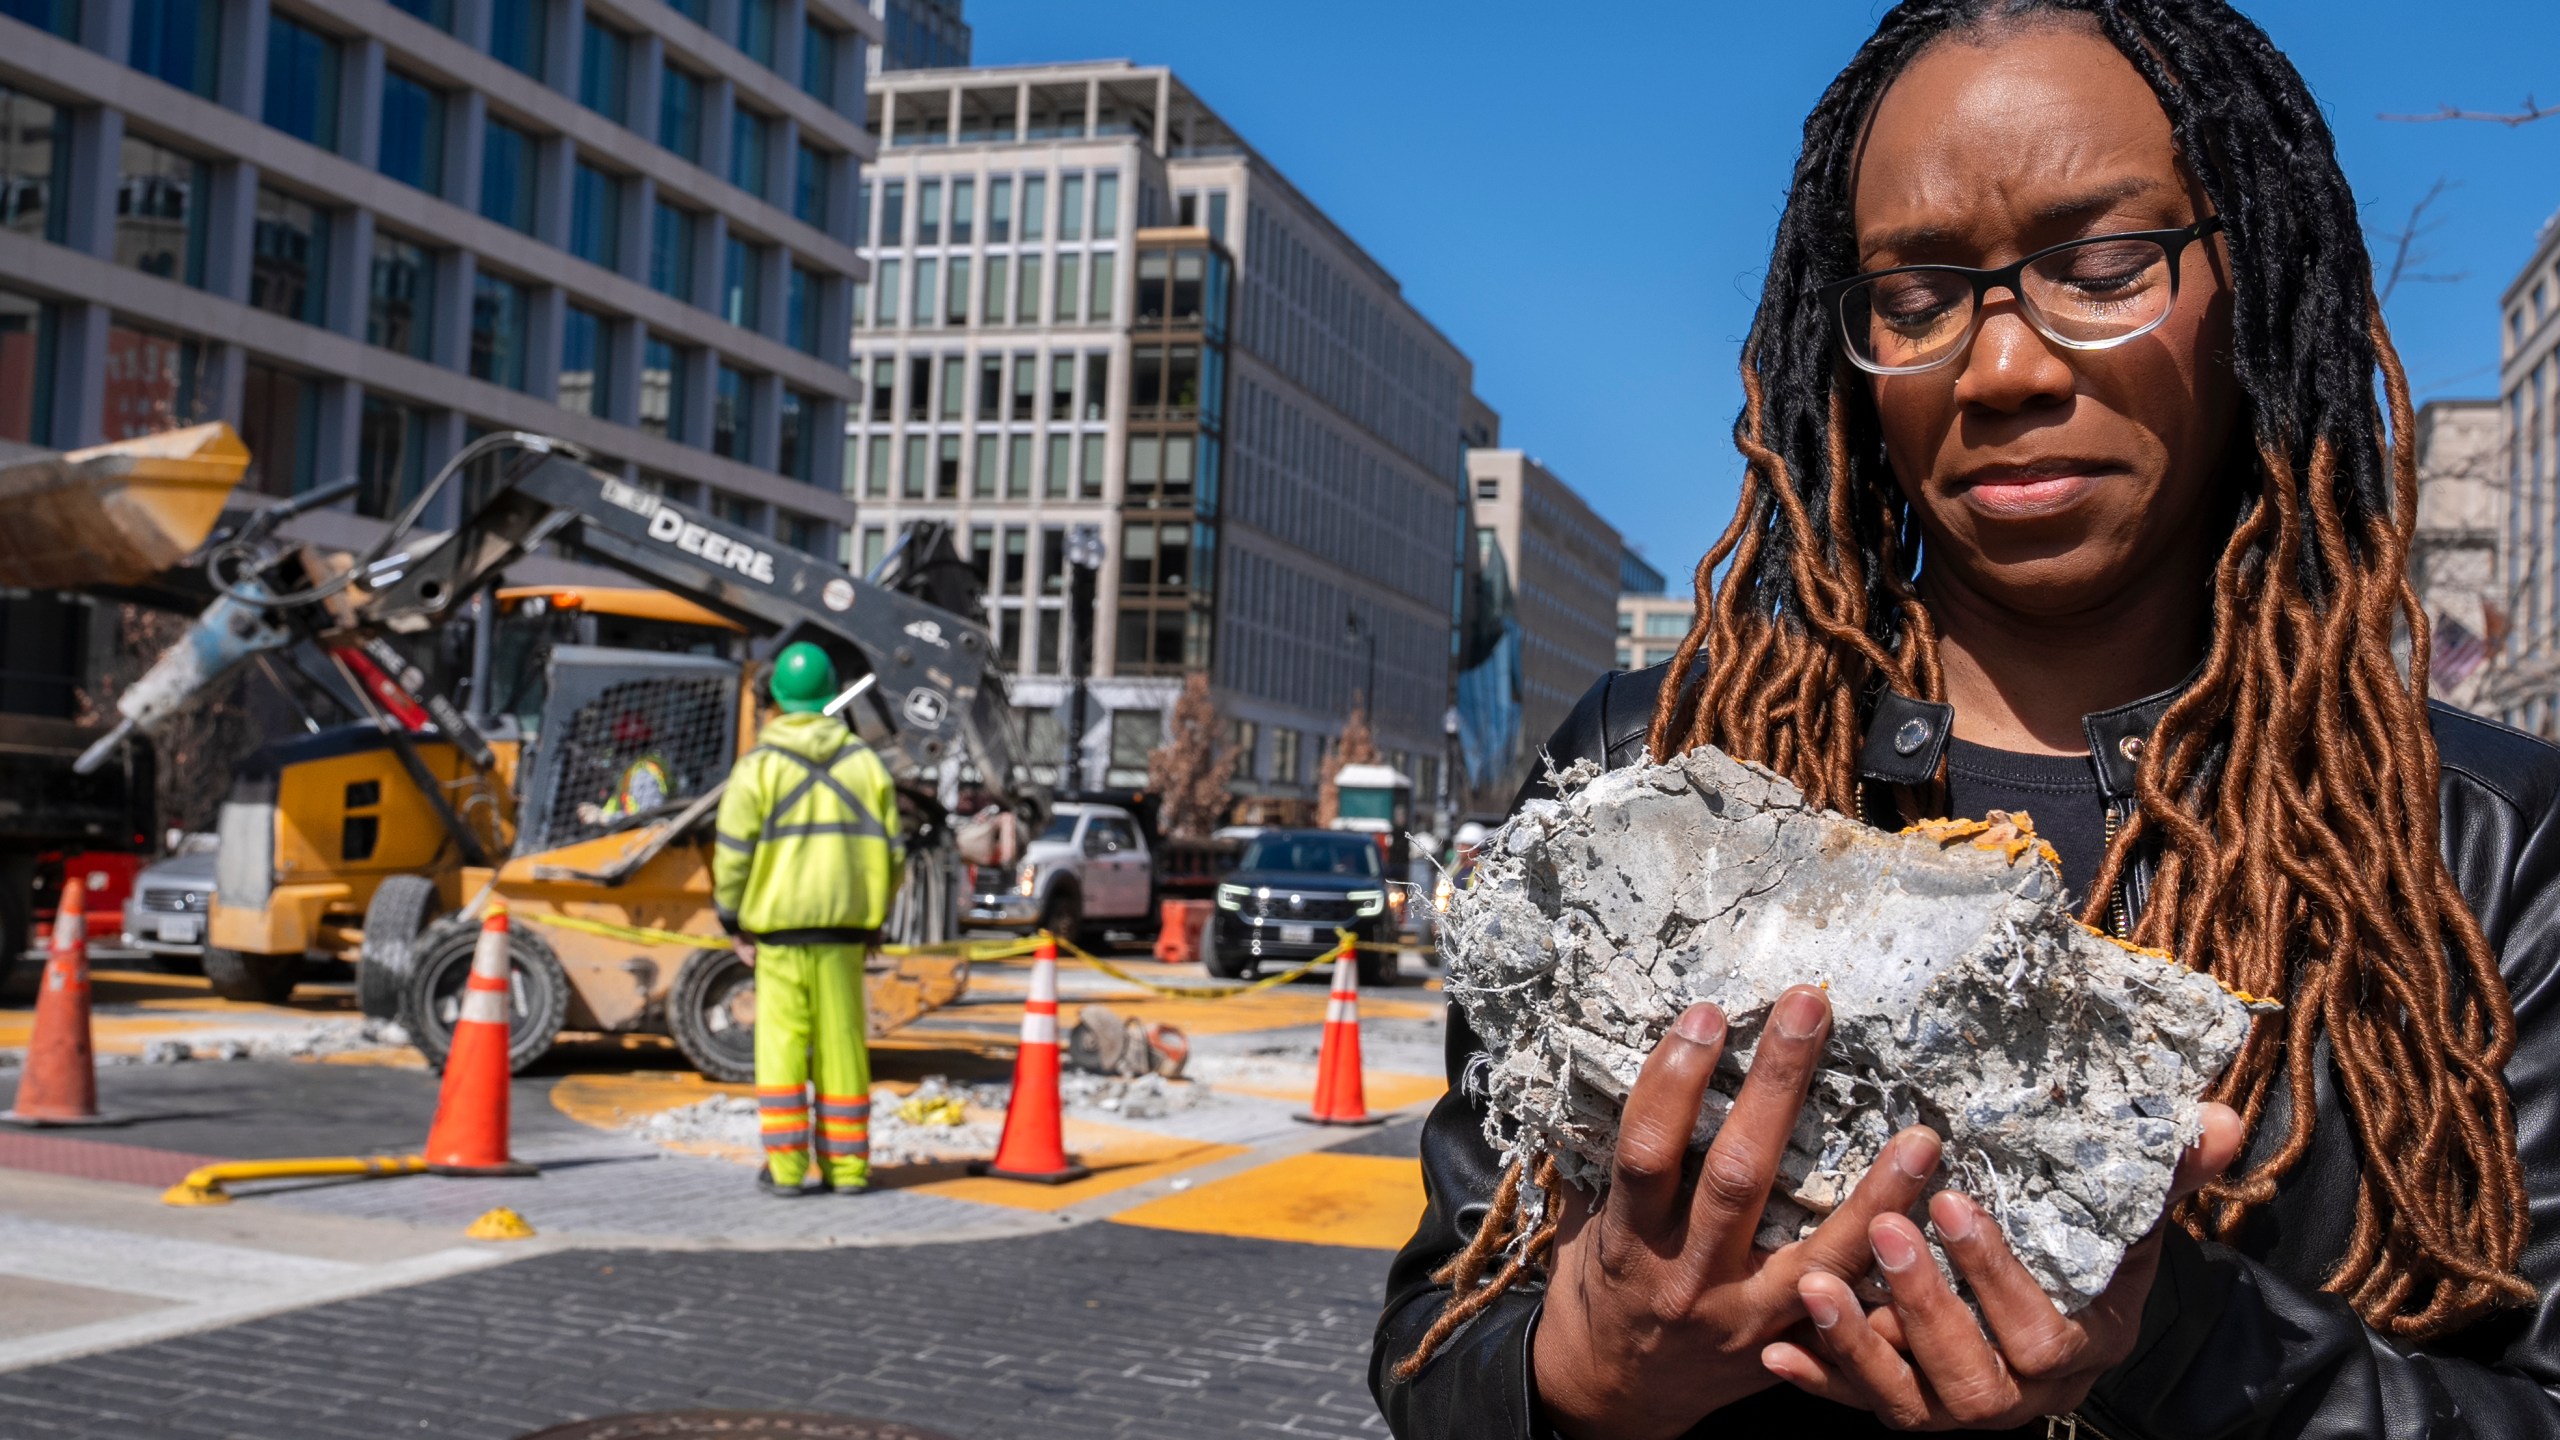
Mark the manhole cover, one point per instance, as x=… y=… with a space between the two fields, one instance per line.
x=736 y=1425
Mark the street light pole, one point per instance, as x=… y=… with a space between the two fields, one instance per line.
x=1084 y=561
x=1352 y=629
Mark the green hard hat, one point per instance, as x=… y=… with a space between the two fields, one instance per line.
x=804 y=679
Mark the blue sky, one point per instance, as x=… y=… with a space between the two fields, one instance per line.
x=1582 y=197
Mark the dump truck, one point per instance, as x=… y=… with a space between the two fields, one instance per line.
x=84 y=531
x=609 y=884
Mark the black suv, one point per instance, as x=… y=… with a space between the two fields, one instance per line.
x=1290 y=893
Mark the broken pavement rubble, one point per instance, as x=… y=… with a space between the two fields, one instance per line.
x=2062 y=1069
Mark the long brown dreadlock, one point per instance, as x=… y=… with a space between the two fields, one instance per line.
x=2289 y=794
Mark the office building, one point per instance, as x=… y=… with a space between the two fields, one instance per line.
x=364 y=233
x=2453 y=554
x=1095 y=304
x=2529 y=392
x=1563 y=563
x=920 y=35
x=1651 y=627
x=1638 y=575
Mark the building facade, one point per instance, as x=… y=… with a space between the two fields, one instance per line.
x=920 y=35
x=1094 y=305
x=2529 y=395
x=364 y=233
x=2454 y=552
x=1651 y=627
x=1564 y=566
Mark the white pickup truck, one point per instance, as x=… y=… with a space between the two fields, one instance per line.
x=1089 y=871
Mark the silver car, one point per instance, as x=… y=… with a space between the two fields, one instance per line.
x=166 y=915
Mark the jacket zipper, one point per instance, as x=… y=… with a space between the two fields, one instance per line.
x=2119 y=923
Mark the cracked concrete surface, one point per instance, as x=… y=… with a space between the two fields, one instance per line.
x=2062 y=1069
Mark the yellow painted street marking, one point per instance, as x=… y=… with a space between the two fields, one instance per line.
x=109 y=1034
x=609 y=1102
x=1382 y=1089
x=1119 y=1158
x=1317 y=1199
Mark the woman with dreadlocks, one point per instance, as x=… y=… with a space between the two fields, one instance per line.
x=2078 y=479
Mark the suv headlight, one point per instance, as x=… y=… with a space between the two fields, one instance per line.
x=1231 y=897
x=1370 y=902
x=1027 y=880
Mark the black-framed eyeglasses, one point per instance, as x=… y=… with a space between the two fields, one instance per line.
x=2086 y=294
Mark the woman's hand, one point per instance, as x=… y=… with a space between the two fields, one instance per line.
x=1923 y=1363
x=1659 y=1307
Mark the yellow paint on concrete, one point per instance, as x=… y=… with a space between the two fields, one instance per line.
x=1380 y=1089
x=108 y=1035
x=609 y=1102
x=1320 y=1198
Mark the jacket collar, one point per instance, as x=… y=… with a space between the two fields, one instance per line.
x=1907 y=738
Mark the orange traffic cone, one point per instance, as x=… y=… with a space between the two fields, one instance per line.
x=1034 y=1146
x=469 y=1136
x=1340 y=1098
x=59 y=1084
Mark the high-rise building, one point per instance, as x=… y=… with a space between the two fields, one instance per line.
x=1637 y=575
x=365 y=233
x=1564 y=567
x=2453 y=554
x=1094 y=304
x=2529 y=389
x=1651 y=627
x=920 y=35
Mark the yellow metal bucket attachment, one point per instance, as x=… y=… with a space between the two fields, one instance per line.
x=114 y=514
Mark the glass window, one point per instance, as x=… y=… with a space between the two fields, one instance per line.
x=875 y=543
x=982 y=555
x=1666 y=622
x=1182 y=380
x=1062 y=387
x=1145 y=468
x=756 y=26
x=1218 y=216
x=742 y=283
x=804 y=533
x=586 y=380
x=1017 y=467
x=160 y=212
x=1071 y=207
x=604 y=71
x=289 y=258
x=671 y=251
x=729 y=413
x=885 y=293
x=946 y=468
x=697 y=11
x=911 y=480
x=818 y=61
x=595 y=216
x=391 y=455
x=884 y=389
x=982 y=469
x=154 y=382
x=1098 y=301
x=54 y=17
x=179 y=41
x=1025 y=386
x=1146 y=379
x=1188 y=267
x=875 y=470
x=519 y=32
x=498 y=307
x=35 y=160
x=929 y=213
x=1061 y=455
x=1015 y=580
x=990 y=387
x=506 y=176
x=1089 y=468
x=662 y=404
x=1035 y=205
x=964 y=207
x=280 y=425
x=991 y=309
x=302 y=82
x=955 y=296
x=680 y=112
x=809 y=185
x=1153 y=267
x=400 y=296
x=893 y=213
x=1000 y=210
x=26 y=368
x=955 y=374
x=798 y=455
x=1097 y=383
x=800 y=311
x=1106 y=204
x=750 y=136
x=924 y=308
x=1062 y=302
x=919 y=387
x=1053 y=560
x=412 y=132
x=1026 y=296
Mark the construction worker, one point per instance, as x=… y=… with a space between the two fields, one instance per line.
x=807 y=860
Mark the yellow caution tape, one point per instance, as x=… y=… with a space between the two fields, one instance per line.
x=1210 y=992
x=643 y=935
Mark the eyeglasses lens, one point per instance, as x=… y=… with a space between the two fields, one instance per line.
x=2088 y=296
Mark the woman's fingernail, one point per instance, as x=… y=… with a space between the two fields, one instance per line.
x=1800 y=1014
x=1701 y=1023
x=1818 y=1305
x=1914 y=1156
x=1955 y=1216
x=1894 y=1250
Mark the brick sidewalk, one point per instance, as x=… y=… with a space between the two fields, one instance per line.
x=1099 y=1330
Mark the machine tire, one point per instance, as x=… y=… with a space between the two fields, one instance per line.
x=245 y=975
x=396 y=922
x=1214 y=961
x=537 y=1006
x=1062 y=912
x=701 y=1014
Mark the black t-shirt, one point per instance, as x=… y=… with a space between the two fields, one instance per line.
x=2059 y=793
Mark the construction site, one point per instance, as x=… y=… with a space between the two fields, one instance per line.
x=376 y=1057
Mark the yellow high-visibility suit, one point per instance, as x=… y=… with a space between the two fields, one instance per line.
x=807 y=860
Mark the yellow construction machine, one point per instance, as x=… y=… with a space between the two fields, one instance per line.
x=578 y=776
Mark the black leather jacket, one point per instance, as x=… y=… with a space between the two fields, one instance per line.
x=2236 y=1340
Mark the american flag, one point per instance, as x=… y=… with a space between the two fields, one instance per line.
x=2458 y=653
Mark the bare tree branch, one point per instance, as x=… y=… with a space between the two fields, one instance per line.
x=2509 y=118
x=2407 y=259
